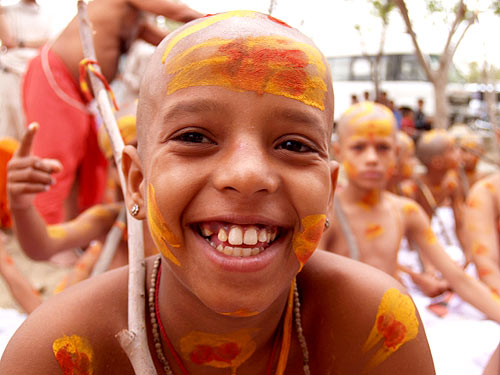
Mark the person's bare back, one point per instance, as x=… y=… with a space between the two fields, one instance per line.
x=116 y=23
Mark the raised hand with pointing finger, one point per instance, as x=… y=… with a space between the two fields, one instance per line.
x=27 y=174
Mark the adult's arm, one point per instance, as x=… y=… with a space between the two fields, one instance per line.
x=175 y=11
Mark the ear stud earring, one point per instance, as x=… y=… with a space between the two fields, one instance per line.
x=134 y=210
x=327 y=223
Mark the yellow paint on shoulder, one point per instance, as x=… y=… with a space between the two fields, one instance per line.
x=490 y=187
x=241 y=313
x=305 y=242
x=396 y=323
x=221 y=351
x=430 y=237
x=410 y=208
x=202 y=25
x=74 y=355
x=57 y=231
x=373 y=231
x=161 y=234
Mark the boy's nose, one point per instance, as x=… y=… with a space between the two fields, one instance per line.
x=371 y=156
x=246 y=168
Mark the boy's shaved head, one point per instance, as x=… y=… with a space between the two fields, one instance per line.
x=405 y=143
x=433 y=143
x=240 y=51
x=367 y=119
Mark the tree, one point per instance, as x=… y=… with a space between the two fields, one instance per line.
x=463 y=19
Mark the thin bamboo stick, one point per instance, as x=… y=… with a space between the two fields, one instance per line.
x=134 y=339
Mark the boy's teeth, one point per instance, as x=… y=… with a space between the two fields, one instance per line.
x=250 y=237
x=235 y=236
x=263 y=236
x=239 y=251
x=206 y=232
x=222 y=235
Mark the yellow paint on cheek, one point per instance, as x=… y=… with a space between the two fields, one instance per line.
x=373 y=231
x=406 y=170
x=430 y=237
x=241 y=313
x=161 y=234
x=305 y=242
x=350 y=169
x=265 y=64
x=74 y=355
x=409 y=208
x=57 y=231
x=220 y=351
x=396 y=323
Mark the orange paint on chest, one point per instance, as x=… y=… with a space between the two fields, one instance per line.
x=220 y=351
x=474 y=202
x=305 y=242
x=490 y=187
x=481 y=271
x=8 y=260
x=373 y=230
x=74 y=355
x=479 y=249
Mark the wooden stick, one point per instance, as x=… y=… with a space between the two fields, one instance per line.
x=134 y=340
x=111 y=244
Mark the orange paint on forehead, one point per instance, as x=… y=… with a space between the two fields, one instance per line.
x=396 y=323
x=265 y=64
x=373 y=231
x=305 y=242
x=220 y=351
x=161 y=234
x=74 y=355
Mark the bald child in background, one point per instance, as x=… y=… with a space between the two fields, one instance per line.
x=371 y=222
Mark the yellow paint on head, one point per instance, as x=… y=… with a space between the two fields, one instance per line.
x=264 y=64
x=430 y=237
x=57 y=231
x=161 y=234
x=202 y=25
x=396 y=323
x=220 y=351
x=305 y=242
x=74 y=355
x=368 y=119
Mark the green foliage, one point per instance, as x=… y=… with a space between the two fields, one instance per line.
x=495 y=6
x=475 y=73
x=435 y=6
x=382 y=9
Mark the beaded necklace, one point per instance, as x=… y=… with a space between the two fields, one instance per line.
x=156 y=323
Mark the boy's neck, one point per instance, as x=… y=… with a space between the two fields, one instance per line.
x=182 y=314
x=434 y=177
x=367 y=198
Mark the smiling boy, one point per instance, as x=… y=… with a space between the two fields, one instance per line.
x=232 y=174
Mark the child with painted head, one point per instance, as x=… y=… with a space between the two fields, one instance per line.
x=29 y=175
x=232 y=175
x=471 y=149
x=401 y=181
x=370 y=221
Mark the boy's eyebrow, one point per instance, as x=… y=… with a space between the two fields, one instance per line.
x=298 y=116
x=193 y=106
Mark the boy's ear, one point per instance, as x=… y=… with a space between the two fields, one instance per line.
x=336 y=149
x=134 y=179
x=334 y=174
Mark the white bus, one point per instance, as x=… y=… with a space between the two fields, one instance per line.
x=401 y=76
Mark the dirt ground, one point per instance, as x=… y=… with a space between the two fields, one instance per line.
x=43 y=275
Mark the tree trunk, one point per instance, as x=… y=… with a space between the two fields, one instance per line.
x=442 y=111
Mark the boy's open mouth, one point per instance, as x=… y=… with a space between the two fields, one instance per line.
x=238 y=240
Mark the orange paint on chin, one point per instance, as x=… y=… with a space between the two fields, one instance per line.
x=265 y=64
x=305 y=242
x=74 y=355
x=244 y=313
x=396 y=323
x=161 y=234
x=220 y=351
x=373 y=230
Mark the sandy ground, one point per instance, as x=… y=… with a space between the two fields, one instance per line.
x=43 y=275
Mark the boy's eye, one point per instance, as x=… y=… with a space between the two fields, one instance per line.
x=383 y=147
x=193 y=137
x=358 y=147
x=294 y=146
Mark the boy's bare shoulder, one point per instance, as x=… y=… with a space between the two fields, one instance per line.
x=84 y=318
x=342 y=303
